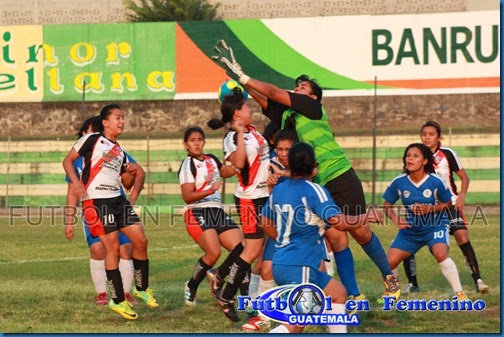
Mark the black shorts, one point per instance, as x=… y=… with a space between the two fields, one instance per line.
x=456 y=219
x=346 y=191
x=250 y=216
x=104 y=216
x=201 y=219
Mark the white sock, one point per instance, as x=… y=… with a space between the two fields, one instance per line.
x=98 y=275
x=254 y=285
x=329 y=265
x=265 y=285
x=280 y=329
x=127 y=272
x=450 y=271
x=395 y=272
x=337 y=308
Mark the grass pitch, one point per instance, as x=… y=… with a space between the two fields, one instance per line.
x=46 y=286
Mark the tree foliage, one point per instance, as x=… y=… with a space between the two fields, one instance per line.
x=171 y=10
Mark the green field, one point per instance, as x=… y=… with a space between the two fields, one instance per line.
x=46 y=287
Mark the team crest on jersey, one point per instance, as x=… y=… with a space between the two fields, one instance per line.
x=437 y=159
x=406 y=193
x=427 y=193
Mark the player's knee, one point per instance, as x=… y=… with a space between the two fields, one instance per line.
x=212 y=255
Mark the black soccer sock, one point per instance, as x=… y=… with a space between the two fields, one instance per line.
x=199 y=274
x=115 y=285
x=470 y=260
x=141 y=274
x=410 y=270
x=244 y=286
x=236 y=275
x=223 y=269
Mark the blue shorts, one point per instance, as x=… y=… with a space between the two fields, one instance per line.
x=411 y=242
x=123 y=239
x=269 y=249
x=286 y=274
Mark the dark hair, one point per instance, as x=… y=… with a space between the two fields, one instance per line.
x=426 y=152
x=105 y=112
x=269 y=133
x=315 y=87
x=231 y=102
x=191 y=130
x=85 y=126
x=286 y=134
x=302 y=160
x=435 y=125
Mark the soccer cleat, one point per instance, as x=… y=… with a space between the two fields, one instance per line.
x=101 y=299
x=392 y=286
x=215 y=281
x=227 y=307
x=123 y=309
x=410 y=288
x=357 y=298
x=130 y=299
x=256 y=323
x=189 y=296
x=481 y=287
x=461 y=296
x=147 y=296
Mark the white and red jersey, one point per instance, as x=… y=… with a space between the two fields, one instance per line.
x=446 y=162
x=103 y=165
x=252 y=177
x=203 y=173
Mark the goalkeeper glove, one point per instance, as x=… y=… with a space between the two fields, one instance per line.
x=226 y=57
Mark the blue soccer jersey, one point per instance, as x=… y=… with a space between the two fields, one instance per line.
x=430 y=191
x=299 y=209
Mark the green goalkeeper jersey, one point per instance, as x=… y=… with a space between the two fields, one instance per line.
x=317 y=132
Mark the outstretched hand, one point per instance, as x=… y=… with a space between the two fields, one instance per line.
x=226 y=57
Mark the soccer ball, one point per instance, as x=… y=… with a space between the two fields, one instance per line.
x=227 y=87
x=306 y=301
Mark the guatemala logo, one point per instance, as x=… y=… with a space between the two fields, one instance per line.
x=304 y=304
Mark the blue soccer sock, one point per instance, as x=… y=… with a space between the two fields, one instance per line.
x=346 y=272
x=375 y=251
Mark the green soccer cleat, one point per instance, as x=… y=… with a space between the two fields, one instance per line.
x=123 y=309
x=147 y=296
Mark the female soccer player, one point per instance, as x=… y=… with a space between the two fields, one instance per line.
x=206 y=222
x=302 y=110
x=426 y=199
x=447 y=162
x=248 y=151
x=107 y=211
x=295 y=216
x=96 y=248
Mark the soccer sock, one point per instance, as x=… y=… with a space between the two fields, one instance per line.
x=375 y=251
x=345 y=268
x=245 y=285
x=141 y=274
x=265 y=285
x=98 y=275
x=337 y=308
x=126 y=269
x=410 y=270
x=199 y=273
x=236 y=275
x=329 y=265
x=115 y=285
x=254 y=284
x=450 y=271
x=223 y=269
x=470 y=260
x=280 y=329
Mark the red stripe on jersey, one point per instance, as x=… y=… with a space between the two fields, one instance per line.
x=253 y=167
x=112 y=153
x=210 y=172
x=192 y=225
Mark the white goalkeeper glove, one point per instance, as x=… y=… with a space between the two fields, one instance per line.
x=226 y=57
